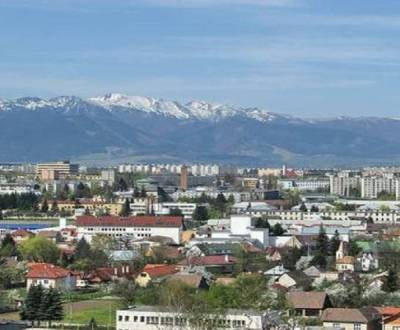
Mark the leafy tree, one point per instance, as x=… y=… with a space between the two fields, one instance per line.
x=220 y=203
x=262 y=223
x=39 y=249
x=314 y=208
x=82 y=249
x=391 y=282
x=231 y=199
x=122 y=185
x=303 y=207
x=31 y=307
x=92 y=324
x=45 y=206
x=277 y=229
x=8 y=247
x=126 y=209
x=55 y=311
x=54 y=206
x=127 y=290
x=290 y=257
x=321 y=249
x=175 y=212
x=334 y=243
x=200 y=213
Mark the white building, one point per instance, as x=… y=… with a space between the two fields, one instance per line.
x=132 y=227
x=9 y=189
x=371 y=186
x=163 y=318
x=344 y=182
x=304 y=184
x=186 y=209
x=242 y=227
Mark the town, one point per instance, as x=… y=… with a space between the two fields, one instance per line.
x=198 y=246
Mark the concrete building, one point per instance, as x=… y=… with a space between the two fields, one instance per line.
x=135 y=227
x=344 y=182
x=371 y=186
x=163 y=318
x=57 y=170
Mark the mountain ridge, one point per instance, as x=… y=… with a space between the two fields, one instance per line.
x=116 y=127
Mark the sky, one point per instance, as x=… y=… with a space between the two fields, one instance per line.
x=312 y=58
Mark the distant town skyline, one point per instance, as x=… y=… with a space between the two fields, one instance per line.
x=312 y=58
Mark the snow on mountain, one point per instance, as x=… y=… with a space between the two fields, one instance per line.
x=199 y=110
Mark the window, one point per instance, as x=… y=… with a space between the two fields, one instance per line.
x=126 y=318
x=357 y=326
x=336 y=325
x=142 y=319
x=135 y=318
x=119 y=317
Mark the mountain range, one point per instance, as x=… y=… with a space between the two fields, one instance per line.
x=117 y=128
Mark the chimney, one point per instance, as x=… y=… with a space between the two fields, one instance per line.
x=184 y=178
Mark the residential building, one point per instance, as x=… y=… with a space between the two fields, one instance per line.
x=351 y=318
x=346 y=263
x=308 y=304
x=50 y=276
x=130 y=227
x=371 y=186
x=344 y=182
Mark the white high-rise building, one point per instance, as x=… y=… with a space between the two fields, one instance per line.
x=344 y=182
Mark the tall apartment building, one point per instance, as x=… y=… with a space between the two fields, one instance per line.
x=56 y=170
x=344 y=182
x=371 y=186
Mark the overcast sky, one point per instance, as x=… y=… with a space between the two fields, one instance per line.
x=301 y=57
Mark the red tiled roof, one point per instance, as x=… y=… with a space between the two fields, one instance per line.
x=22 y=233
x=43 y=270
x=210 y=260
x=137 y=221
x=159 y=270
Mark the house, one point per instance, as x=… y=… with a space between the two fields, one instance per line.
x=192 y=280
x=351 y=318
x=367 y=261
x=273 y=254
x=390 y=317
x=153 y=272
x=346 y=263
x=21 y=235
x=308 y=304
x=276 y=271
x=294 y=279
x=312 y=272
x=219 y=264
x=50 y=276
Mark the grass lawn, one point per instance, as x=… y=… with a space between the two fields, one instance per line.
x=82 y=312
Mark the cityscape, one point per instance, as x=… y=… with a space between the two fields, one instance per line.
x=199 y=165
x=199 y=246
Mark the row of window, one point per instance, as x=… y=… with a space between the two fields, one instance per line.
x=180 y=321
x=116 y=229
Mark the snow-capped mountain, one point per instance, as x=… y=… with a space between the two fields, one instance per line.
x=120 y=128
x=199 y=110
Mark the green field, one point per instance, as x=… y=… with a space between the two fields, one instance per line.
x=81 y=312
